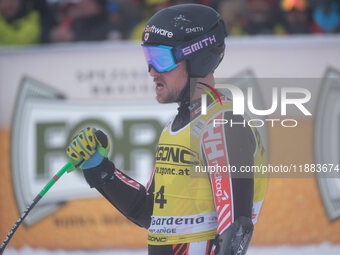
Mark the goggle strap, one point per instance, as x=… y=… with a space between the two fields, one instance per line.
x=199 y=44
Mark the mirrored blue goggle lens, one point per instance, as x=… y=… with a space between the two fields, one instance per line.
x=160 y=57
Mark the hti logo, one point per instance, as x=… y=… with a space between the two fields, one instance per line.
x=303 y=97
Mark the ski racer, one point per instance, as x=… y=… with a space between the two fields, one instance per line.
x=185 y=208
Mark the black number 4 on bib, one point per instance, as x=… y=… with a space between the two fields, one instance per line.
x=160 y=197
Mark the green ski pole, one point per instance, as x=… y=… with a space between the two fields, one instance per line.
x=69 y=167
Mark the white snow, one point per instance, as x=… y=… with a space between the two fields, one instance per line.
x=325 y=248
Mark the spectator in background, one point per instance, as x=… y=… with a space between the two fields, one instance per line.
x=326 y=15
x=176 y=2
x=47 y=17
x=19 y=24
x=123 y=16
x=82 y=20
x=115 y=20
x=262 y=17
x=151 y=7
x=233 y=14
x=296 y=17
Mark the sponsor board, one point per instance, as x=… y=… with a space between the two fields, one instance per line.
x=104 y=70
x=327 y=141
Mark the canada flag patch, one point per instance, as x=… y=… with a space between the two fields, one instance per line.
x=146 y=36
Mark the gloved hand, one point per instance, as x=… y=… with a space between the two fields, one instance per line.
x=235 y=239
x=88 y=148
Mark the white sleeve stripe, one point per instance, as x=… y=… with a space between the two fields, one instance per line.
x=226 y=227
x=127 y=181
x=224 y=219
x=223 y=210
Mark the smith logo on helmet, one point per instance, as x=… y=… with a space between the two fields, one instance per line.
x=199 y=45
x=160 y=31
x=194 y=30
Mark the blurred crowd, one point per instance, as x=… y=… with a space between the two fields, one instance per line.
x=24 y=22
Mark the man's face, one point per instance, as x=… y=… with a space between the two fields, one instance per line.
x=170 y=84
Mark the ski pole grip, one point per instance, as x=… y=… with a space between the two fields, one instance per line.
x=72 y=164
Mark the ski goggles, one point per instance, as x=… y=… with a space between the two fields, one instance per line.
x=165 y=58
x=160 y=57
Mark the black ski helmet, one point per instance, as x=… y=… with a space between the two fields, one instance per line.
x=196 y=32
